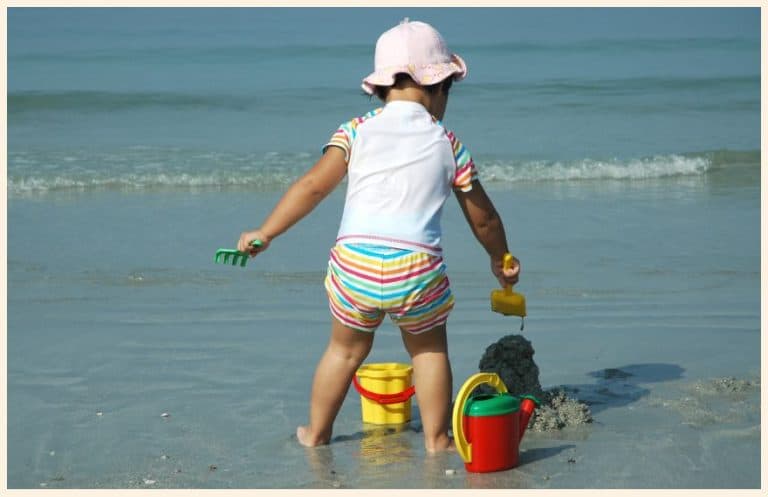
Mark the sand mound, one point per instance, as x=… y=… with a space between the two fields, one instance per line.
x=512 y=359
x=716 y=401
x=727 y=386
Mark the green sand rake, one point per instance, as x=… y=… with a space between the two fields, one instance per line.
x=223 y=256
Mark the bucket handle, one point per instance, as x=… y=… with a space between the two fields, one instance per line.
x=384 y=398
x=463 y=447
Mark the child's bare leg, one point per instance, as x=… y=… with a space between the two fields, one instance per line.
x=434 y=384
x=346 y=350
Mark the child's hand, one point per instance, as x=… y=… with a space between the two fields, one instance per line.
x=506 y=277
x=246 y=237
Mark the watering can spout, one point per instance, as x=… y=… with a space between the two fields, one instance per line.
x=527 y=405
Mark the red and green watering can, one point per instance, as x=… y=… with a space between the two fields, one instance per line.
x=487 y=429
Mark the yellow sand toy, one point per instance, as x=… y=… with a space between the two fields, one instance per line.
x=385 y=392
x=507 y=302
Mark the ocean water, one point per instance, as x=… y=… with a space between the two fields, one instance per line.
x=621 y=146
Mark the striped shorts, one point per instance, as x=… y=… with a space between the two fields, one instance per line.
x=365 y=282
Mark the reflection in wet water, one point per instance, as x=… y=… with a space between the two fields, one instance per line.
x=381 y=445
x=372 y=456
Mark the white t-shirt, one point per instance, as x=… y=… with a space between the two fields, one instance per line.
x=402 y=165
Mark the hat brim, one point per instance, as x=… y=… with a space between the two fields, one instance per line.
x=429 y=74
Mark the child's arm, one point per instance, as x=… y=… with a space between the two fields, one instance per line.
x=299 y=200
x=488 y=228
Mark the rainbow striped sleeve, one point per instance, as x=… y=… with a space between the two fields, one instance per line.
x=466 y=172
x=342 y=138
x=345 y=136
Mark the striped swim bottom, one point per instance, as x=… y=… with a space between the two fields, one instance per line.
x=365 y=282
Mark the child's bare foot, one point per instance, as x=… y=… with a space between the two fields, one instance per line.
x=441 y=444
x=307 y=438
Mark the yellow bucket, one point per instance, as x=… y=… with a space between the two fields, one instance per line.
x=385 y=392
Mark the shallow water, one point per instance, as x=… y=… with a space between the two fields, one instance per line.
x=134 y=328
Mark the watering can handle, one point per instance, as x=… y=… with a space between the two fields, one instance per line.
x=384 y=398
x=463 y=447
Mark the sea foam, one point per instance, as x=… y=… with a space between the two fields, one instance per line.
x=29 y=174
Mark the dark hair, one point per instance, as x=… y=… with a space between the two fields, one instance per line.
x=383 y=91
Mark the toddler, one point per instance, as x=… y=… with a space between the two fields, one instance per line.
x=402 y=164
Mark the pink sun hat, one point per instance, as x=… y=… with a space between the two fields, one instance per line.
x=417 y=49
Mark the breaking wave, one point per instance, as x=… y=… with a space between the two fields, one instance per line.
x=139 y=169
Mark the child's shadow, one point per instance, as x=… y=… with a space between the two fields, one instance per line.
x=618 y=387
